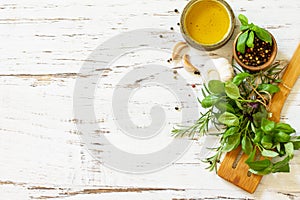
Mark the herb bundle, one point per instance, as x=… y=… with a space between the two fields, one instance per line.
x=241 y=107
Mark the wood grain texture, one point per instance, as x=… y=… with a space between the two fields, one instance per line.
x=43 y=46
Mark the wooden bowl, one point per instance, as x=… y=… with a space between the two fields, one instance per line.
x=260 y=67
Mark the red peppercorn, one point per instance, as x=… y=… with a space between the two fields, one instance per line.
x=193 y=85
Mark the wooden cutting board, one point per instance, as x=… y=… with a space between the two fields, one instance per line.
x=237 y=173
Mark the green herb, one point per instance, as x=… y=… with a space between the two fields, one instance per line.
x=241 y=107
x=248 y=35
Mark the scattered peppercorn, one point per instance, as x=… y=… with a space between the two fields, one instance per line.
x=176 y=108
x=176 y=10
x=197 y=73
x=172 y=28
x=193 y=85
x=175 y=72
x=161 y=36
x=178 y=24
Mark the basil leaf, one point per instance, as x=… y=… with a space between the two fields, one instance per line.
x=241 y=43
x=286 y=128
x=228 y=119
x=251 y=156
x=239 y=105
x=266 y=141
x=258 y=136
x=239 y=78
x=282 y=137
x=268 y=88
x=264 y=35
x=257 y=118
x=243 y=19
x=216 y=86
x=232 y=142
x=269 y=153
x=267 y=125
x=296 y=145
x=247 y=146
x=250 y=40
x=244 y=27
x=209 y=101
x=230 y=131
x=232 y=91
x=289 y=149
x=224 y=106
x=260 y=164
x=282 y=166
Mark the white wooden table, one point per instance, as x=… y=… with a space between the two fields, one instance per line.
x=44 y=44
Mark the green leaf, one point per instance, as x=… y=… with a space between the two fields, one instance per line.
x=264 y=35
x=247 y=146
x=282 y=166
x=296 y=145
x=232 y=91
x=289 y=149
x=231 y=143
x=209 y=101
x=243 y=19
x=241 y=43
x=239 y=105
x=224 y=106
x=230 y=131
x=216 y=86
x=266 y=141
x=251 y=157
x=228 y=119
x=244 y=27
x=260 y=164
x=269 y=153
x=268 y=88
x=282 y=137
x=267 y=125
x=258 y=136
x=250 y=40
x=286 y=128
x=239 y=78
x=257 y=117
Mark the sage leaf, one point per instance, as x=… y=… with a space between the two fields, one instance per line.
x=241 y=43
x=239 y=78
x=243 y=19
x=247 y=146
x=216 y=86
x=269 y=153
x=250 y=40
x=232 y=91
x=228 y=119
